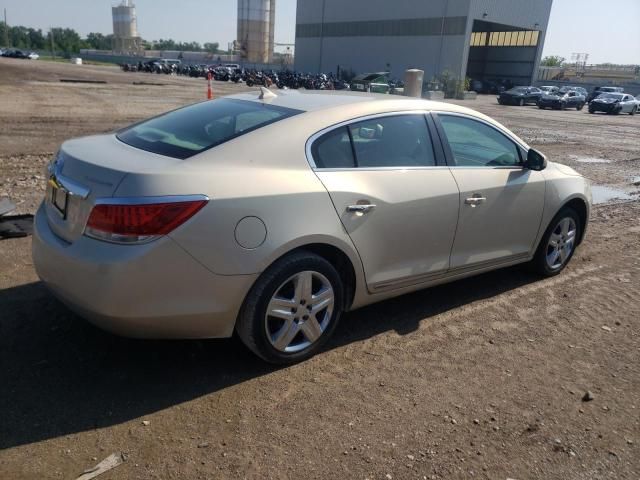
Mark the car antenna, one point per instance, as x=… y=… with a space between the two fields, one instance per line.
x=265 y=93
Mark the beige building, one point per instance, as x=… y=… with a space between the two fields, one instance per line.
x=125 y=29
x=256 y=23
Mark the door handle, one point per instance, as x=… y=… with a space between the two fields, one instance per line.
x=475 y=200
x=361 y=208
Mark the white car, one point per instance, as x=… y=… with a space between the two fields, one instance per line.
x=33 y=56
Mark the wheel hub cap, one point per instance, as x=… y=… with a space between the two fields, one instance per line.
x=299 y=312
x=561 y=243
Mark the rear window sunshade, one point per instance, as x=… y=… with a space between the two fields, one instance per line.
x=188 y=131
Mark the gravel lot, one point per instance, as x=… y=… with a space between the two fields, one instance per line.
x=482 y=378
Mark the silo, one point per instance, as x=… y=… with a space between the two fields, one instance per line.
x=256 y=22
x=125 y=28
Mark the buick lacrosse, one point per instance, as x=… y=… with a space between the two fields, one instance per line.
x=271 y=215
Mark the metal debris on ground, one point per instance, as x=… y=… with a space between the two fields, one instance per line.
x=112 y=461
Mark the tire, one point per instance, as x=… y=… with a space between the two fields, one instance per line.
x=543 y=262
x=540 y=107
x=580 y=107
x=521 y=102
x=592 y=111
x=501 y=102
x=282 y=339
x=633 y=111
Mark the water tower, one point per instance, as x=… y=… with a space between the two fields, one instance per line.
x=125 y=29
x=256 y=22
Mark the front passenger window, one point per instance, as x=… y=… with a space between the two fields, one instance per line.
x=475 y=144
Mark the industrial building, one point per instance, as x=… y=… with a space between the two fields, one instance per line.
x=125 y=29
x=256 y=26
x=480 y=39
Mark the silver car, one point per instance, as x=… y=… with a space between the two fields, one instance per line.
x=272 y=215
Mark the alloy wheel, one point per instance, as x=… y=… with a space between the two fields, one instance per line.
x=561 y=243
x=299 y=312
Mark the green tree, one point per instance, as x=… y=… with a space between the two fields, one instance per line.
x=211 y=47
x=98 y=41
x=552 y=61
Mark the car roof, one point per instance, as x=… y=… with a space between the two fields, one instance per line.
x=315 y=100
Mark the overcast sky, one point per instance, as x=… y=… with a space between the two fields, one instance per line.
x=609 y=31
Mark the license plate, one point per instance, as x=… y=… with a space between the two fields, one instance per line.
x=59 y=199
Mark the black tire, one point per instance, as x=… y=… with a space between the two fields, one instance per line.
x=592 y=111
x=633 y=111
x=540 y=107
x=580 y=107
x=539 y=263
x=501 y=102
x=251 y=327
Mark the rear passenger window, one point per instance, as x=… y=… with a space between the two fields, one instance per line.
x=333 y=150
x=401 y=141
x=474 y=144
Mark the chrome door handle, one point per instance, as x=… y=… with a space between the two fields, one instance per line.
x=474 y=201
x=361 y=208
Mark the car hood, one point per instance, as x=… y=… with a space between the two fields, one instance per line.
x=564 y=169
x=606 y=100
x=552 y=97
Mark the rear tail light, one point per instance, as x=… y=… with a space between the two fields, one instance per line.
x=135 y=222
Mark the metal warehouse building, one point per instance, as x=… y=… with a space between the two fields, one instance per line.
x=481 y=39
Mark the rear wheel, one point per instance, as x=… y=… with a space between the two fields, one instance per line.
x=580 y=106
x=558 y=243
x=292 y=310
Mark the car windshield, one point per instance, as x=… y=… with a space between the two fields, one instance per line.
x=190 y=130
x=617 y=96
x=370 y=78
x=518 y=90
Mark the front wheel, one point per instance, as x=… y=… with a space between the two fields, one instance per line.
x=558 y=243
x=580 y=107
x=292 y=310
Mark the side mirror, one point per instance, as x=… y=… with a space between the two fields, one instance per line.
x=535 y=161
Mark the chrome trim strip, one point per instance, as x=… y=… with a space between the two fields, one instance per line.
x=149 y=200
x=73 y=188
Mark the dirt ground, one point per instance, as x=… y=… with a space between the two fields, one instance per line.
x=481 y=378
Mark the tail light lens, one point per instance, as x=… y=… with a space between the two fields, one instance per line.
x=139 y=222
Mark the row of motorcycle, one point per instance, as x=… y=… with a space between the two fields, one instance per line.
x=267 y=78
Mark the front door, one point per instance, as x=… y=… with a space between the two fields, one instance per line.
x=501 y=203
x=397 y=203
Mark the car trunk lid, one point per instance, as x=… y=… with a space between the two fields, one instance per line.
x=86 y=169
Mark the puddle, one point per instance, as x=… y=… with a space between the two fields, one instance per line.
x=591 y=160
x=603 y=194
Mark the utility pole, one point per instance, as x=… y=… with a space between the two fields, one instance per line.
x=53 y=50
x=6 y=29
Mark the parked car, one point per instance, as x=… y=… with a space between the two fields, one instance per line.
x=33 y=56
x=569 y=88
x=272 y=215
x=16 y=54
x=600 y=90
x=371 y=82
x=549 y=89
x=520 y=96
x=560 y=101
x=614 y=103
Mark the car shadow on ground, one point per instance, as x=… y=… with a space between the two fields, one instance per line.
x=59 y=375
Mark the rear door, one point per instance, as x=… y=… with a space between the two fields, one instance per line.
x=501 y=203
x=394 y=194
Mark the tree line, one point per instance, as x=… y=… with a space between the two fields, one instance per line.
x=69 y=41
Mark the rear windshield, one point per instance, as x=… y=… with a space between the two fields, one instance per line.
x=188 y=131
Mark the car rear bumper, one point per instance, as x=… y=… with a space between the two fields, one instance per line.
x=156 y=290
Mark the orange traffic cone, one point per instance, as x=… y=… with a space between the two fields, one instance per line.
x=209 y=90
